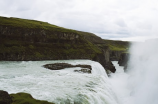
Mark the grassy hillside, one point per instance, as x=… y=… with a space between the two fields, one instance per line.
x=22 y=39
x=117 y=45
x=31 y=24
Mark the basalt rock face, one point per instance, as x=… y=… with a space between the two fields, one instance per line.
x=124 y=57
x=104 y=59
x=115 y=55
x=117 y=48
x=35 y=44
x=27 y=40
x=37 y=35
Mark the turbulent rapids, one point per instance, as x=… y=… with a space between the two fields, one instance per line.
x=59 y=86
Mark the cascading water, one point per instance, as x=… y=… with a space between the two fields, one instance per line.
x=139 y=85
x=119 y=81
x=59 y=86
x=143 y=70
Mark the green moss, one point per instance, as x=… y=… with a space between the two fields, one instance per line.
x=11 y=49
x=116 y=48
x=24 y=98
x=38 y=55
x=31 y=46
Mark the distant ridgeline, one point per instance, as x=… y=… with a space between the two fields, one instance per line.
x=22 y=39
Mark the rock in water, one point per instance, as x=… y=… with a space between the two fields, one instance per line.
x=83 y=71
x=58 y=66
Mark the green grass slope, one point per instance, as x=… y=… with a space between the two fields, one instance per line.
x=31 y=24
x=116 y=45
x=24 y=98
x=22 y=39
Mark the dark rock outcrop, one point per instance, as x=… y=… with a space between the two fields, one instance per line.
x=83 y=71
x=104 y=59
x=59 y=66
x=124 y=57
x=115 y=55
x=5 y=97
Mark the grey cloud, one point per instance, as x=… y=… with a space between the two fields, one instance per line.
x=121 y=23
x=111 y=18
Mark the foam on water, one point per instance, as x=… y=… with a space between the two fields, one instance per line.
x=119 y=81
x=59 y=86
x=143 y=72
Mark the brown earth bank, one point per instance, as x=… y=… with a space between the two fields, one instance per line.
x=28 y=40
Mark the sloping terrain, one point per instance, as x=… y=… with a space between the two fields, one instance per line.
x=23 y=40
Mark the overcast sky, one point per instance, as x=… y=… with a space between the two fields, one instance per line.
x=109 y=19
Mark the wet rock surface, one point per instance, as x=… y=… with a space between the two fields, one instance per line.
x=59 y=66
x=83 y=71
x=124 y=57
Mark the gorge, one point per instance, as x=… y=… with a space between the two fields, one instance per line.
x=27 y=45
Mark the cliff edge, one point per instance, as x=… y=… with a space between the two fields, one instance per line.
x=26 y=40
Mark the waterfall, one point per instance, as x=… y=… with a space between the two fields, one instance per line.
x=139 y=84
x=119 y=81
x=58 y=86
x=143 y=70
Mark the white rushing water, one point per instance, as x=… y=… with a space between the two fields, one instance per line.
x=59 y=86
x=139 y=85
x=143 y=70
x=119 y=81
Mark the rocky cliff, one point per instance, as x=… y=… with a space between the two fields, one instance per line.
x=24 y=40
x=123 y=60
x=117 y=48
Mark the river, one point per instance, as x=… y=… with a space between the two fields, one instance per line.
x=136 y=86
x=58 y=86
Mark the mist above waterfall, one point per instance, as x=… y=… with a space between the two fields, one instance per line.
x=143 y=71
